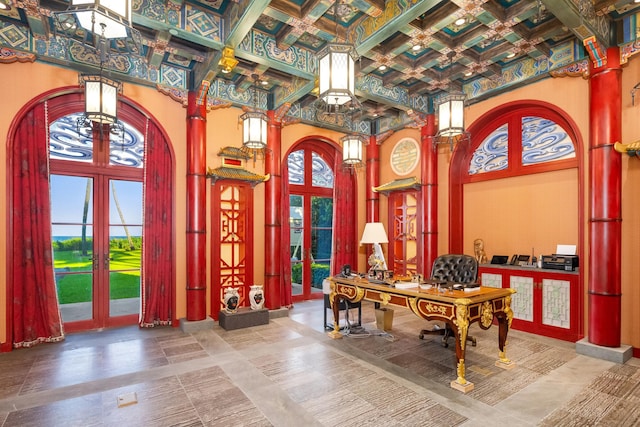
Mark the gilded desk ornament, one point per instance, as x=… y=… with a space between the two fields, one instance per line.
x=462 y=321
x=413 y=302
x=435 y=308
x=487 y=314
x=385 y=298
x=461 y=373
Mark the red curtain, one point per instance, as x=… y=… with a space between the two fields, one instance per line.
x=344 y=218
x=36 y=317
x=157 y=293
x=285 y=240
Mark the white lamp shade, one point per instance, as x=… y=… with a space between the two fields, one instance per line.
x=451 y=115
x=374 y=233
x=337 y=74
x=115 y=15
x=352 y=149
x=254 y=130
x=101 y=99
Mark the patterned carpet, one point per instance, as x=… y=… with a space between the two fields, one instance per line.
x=612 y=399
x=428 y=361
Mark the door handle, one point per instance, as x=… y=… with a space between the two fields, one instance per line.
x=106 y=261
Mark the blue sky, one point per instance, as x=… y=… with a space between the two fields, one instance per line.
x=67 y=202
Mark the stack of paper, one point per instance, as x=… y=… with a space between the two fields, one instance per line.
x=406 y=285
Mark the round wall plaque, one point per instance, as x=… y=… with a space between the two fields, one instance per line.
x=405 y=156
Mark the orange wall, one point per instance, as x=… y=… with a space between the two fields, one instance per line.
x=22 y=82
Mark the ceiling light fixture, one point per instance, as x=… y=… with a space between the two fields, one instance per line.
x=382 y=67
x=254 y=123
x=511 y=55
x=109 y=17
x=336 y=65
x=450 y=109
x=228 y=61
x=416 y=47
x=460 y=21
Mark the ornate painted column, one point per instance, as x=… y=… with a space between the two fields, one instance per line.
x=605 y=193
x=273 y=215
x=372 y=180
x=196 y=204
x=429 y=194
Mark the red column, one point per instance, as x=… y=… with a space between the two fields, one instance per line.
x=605 y=220
x=373 y=180
x=273 y=215
x=196 y=208
x=429 y=193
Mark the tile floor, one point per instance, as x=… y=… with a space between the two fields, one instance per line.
x=290 y=373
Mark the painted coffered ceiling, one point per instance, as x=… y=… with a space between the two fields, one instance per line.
x=411 y=51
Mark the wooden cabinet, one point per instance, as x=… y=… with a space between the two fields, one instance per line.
x=546 y=302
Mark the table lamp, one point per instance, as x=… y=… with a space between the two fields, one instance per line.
x=374 y=234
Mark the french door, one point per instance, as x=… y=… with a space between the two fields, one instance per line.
x=310 y=221
x=96 y=222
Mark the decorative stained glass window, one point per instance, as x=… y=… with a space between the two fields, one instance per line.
x=295 y=162
x=544 y=141
x=541 y=140
x=492 y=153
x=322 y=175
x=68 y=141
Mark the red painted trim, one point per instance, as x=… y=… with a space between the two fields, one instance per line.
x=461 y=158
x=605 y=192
x=328 y=150
x=196 y=209
x=62 y=101
x=273 y=282
x=372 y=180
x=429 y=196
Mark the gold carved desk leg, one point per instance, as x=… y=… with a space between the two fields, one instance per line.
x=462 y=323
x=335 y=307
x=504 y=323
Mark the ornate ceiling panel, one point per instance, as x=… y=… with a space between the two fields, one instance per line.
x=404 y=47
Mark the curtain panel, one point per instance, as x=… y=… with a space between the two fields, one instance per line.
x=157 y=293
x=36 y=314
x=344 y=249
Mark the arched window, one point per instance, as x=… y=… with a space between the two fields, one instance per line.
x=520 y=169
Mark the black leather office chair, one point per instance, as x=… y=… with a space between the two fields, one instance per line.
x=452 y=268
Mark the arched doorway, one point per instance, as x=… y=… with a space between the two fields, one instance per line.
x=318 y=191
x=116 y=209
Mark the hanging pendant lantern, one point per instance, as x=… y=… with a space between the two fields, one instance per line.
x=451 y=115
x=254 y=124
x=337 y=74
x=101 y=98
x=114 y=15
x=352 y=149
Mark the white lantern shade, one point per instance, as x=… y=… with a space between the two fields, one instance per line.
x=114 y=15
x=352 y=149
x=337 y=74
x=451 y=115
x=254 y=130
x=101 y=99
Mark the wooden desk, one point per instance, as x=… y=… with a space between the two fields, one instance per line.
x=457 y=308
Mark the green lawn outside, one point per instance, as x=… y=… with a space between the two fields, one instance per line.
x=77 y=287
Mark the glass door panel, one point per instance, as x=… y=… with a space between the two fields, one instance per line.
x=296 y=227
x=72 y=241
x=321 y=238
x=124 y=257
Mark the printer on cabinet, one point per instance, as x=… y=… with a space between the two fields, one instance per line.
x=560 y=262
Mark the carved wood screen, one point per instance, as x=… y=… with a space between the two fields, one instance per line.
x=404 y=232
x=231 y=244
